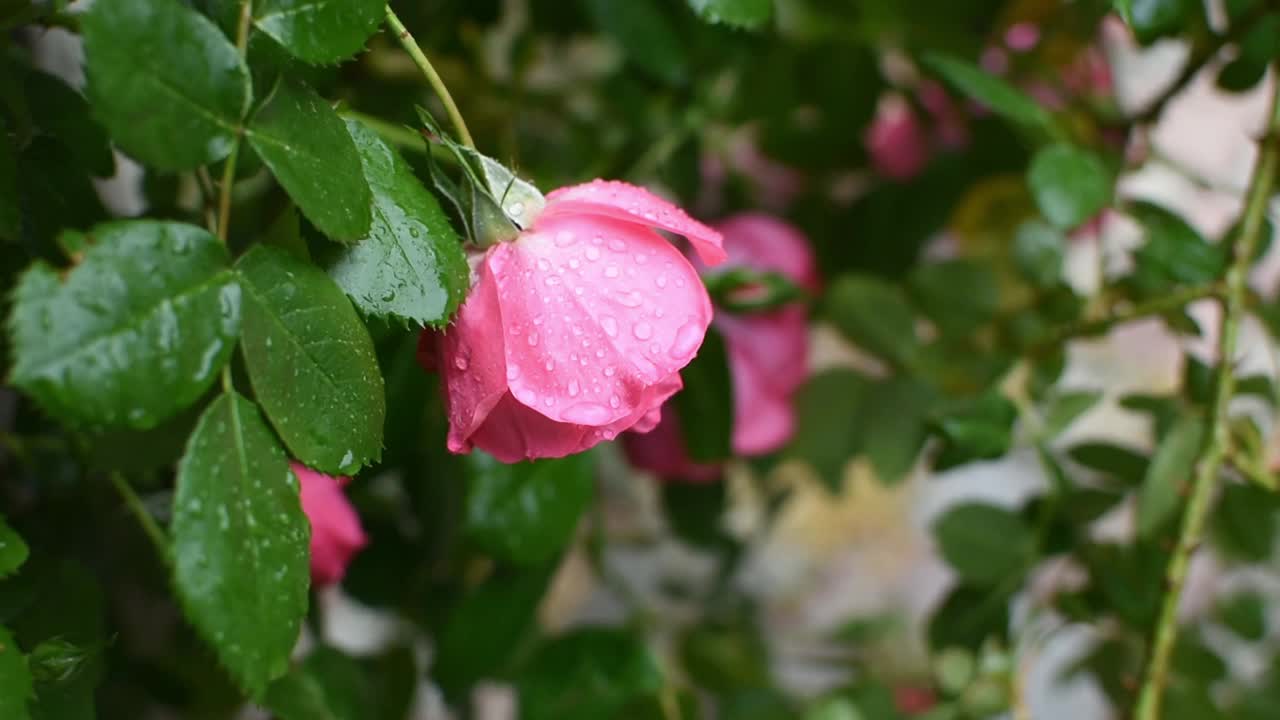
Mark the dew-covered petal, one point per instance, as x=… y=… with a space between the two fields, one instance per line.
x=763 y=242
x=623 y=201
x=513 y=432
x=596 y=312
x=472 y=364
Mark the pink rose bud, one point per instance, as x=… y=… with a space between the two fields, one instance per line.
x=768 y=352
x=576 y=330
x=895 y=140
x=336 y=534
x=768 y=355
x=1021 y=37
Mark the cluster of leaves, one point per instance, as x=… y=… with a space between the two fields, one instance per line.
x=287 y=216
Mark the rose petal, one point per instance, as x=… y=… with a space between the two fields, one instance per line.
x=766 y=243
x=775 y=345
x=472 y=364
x=622 y=201
x=336 y=534
x=595 y=312
x=763 y=418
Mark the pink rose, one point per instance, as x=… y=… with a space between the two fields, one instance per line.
x=895 y=140
x=768 y=354
x=577 y=329
x=336 y=534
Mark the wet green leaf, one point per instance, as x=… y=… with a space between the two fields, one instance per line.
x=167 y=84
x=829 y=411
x=411 y=266
x=311 y=362
x=1066 y=408
x=1153 y=19
x=326 y=686
x=977 y=429
x=527 y=512
x=1120 y=463
x=307 y=146
x=240 y=543
x=735 y=13
x=586 y=674
x=958 y=295
x=319 y=31
x=136 y=332
x=1038 y=250
x=993 y=92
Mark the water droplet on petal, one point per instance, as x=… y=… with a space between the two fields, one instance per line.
x=641 y=258
x=552 y=281
x=687 y=340
x=614 y=401
x=543 y=265
x=655 y=348
x=513 y=372
x=660 y=281
x=460 y=363
x=593 y=254
x=631 y=299
x=617 y=245
x=611 y=271
x=574 y=388
x=610 y=325
x=608 y=372
x=642 y=331
x=680 y=282
x=515 y=209
x=587 y=413
x=550 y=365
x=564 y=238
x=575 y=263
x=533 y=339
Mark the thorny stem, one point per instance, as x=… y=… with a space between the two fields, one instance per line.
x=148 y=523
x=1218 y=441
x=229 y=167
x=420 y=59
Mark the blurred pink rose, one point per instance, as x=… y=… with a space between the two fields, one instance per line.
x=576 y=330
x=897 y=144
x=336 y=534
x=1022 y=37
x=768 y=354
x=949 y=124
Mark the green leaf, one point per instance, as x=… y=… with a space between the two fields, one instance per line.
x=1245 y=522
x=1070 y=184
x=874 y=315
x=1153 y=19
x=968 y=617
x=645 y=35
x=411 y=267
x=527 y=512
x=1171 y=468
x=240 y=552
x=737 y=13
x=1245 y=614
x=1120 y=463
x=15 y=679
x=327 y=686
x=64 y=113
x=1174 y=252
x=829 y=410
x=13 y=550
x=311 y=362
x=894 y=439
x=977 y=429
x=10 y=215
x=586 y=674
x=136 y=332
x=310 y=152
x=165 y=81
x=693 y=511
x=999 y=96
x=1038 y=251
x=958 y=295
x=1066 y=408
x=706 y=403
x=986 y=545
x=319 y=31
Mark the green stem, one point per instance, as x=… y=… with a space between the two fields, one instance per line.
x=229 y=167
x=148 y=523
x=1159 y=306
x=1216 y=445
x=420 y=59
